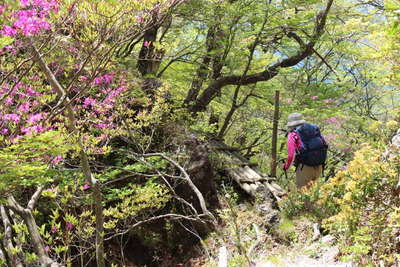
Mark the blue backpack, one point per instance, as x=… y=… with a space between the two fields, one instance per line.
x=314 y=149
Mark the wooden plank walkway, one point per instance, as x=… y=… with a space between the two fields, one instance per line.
x=245 y=174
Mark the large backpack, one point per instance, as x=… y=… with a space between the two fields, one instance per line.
x=314 y=149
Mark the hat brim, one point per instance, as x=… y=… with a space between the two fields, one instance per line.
x=295 y=123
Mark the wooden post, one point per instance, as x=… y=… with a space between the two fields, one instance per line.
x=275 y=135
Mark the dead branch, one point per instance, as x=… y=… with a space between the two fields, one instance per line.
x=7 y=239
x=27 y=215
x=187 y=179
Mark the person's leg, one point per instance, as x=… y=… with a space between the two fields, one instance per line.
x=305 y=174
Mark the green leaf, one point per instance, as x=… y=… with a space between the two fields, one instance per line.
x=5 y=40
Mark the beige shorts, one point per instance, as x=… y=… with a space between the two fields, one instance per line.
x=305 y=174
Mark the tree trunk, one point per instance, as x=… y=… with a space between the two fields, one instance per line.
x=275 y=135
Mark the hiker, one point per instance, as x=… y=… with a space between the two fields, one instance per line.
x=307 y=147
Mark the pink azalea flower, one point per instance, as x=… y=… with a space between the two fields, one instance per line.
x=29 y=22
x=314 y=97
x=105 y=79
x=101 y=125
x=89 y=102
x=4 y=131
x=12 y=117
x=24 y=3
x=24 y=107
x=46 y=248
x=34 y=118
x=57 y=159
x=32 y=129
x=113 y=94
x=8 y=31
x=31 y=92
x=98 y=81
x=9 y=101
x=146 y=44
x=69 y=226
x=10 y=49
x=86 y=187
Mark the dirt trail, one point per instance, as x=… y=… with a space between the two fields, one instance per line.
x=319 y=254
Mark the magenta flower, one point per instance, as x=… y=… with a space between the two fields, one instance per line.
x=8 y=31
x=9 y=101
x=24 y=3
x=54 y=229
x=46 y=248
x=57 y=159
x=98 y=81
x=314 y=97
x=34 y=118
x=31 y=92
x=146 y=44
x=106 y=79
x=69 y=226
x=113 y=94
x=12 y=117
x=24 y=107
x=89 y=102
x=86 y=187
x=29 y=21
x=4 y=131
x=32 y=129
x=44 y=5
x=10 y=49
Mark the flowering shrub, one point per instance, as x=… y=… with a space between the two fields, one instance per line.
x=360 y=205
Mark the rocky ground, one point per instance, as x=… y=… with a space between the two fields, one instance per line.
x=323 y=253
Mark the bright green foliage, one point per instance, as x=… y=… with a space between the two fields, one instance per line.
x=30 y=161
x=136 y=200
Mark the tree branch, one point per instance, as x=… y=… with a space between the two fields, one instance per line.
x=188 y=180
x=7 y=239
x=306 y=50
x=35 y=197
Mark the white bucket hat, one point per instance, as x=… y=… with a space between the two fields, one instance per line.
x=295 y=119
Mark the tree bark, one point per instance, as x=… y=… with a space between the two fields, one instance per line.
x=212 y=61
x=33 y=229
x=7 y=239
x=275 y=135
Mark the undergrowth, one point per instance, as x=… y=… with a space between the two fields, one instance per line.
x=359 y=205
